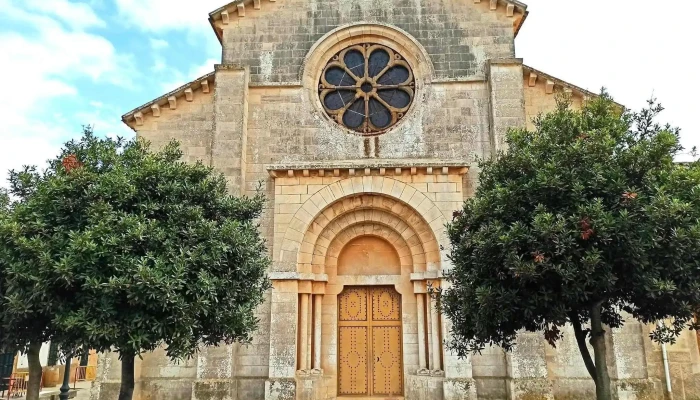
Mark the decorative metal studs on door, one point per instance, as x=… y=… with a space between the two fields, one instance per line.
x=367 y=88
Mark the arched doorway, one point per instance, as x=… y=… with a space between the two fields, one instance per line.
x=370 y=356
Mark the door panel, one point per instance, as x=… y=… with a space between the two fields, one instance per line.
x=352 y=305
x=386 y=304
x=386 y=368
x=369 y=342
x=352 y=368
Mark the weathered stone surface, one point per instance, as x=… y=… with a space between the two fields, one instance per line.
x=258 y=119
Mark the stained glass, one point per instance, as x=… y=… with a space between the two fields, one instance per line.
x=367 y=88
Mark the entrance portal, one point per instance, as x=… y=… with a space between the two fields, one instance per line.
x=369 y=342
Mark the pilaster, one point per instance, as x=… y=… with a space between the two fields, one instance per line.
x=215 y=372
x=281 y=383
x=459 y=375
x=527 y=369
x=506 y=99
x=229 y=140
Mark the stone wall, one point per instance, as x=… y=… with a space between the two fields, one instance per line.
x=191 y=123
x=538 y=100
x=458 y=35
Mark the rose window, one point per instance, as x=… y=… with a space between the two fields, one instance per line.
x=367 y=88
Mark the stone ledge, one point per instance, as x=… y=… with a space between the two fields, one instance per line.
x=297 y=276
x=505 y=61
x=421 y=276
x=366 y=167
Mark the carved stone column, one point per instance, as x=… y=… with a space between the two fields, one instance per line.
x=436 y=343
x=318 y=307
x=420 y=317
x=304 y=332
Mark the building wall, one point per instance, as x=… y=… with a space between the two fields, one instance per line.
x=538 y=101
x=458 y=35
x=191 y=123
x=262 y=127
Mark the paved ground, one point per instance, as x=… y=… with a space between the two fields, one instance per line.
x=82 y=389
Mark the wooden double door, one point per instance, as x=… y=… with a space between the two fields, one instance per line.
x=370 y=361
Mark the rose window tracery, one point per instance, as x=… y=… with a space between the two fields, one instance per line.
x=367 y=88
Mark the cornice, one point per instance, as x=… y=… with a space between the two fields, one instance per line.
x=368 y=167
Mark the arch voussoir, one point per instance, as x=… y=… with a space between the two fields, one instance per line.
x=380 y=200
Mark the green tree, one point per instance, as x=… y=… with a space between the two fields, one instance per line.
x=4 y=214
x=584 y=221
x=25 y=322
x=134 y=250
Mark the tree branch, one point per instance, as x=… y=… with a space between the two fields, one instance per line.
x=583 y=348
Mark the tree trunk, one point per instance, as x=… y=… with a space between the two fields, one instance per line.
x=126 y=391
x=602 y=379
x=34 y=384
x=581 y=337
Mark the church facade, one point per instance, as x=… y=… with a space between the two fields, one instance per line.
x=362 y=121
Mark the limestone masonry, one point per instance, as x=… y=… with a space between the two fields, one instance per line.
x=363 y=119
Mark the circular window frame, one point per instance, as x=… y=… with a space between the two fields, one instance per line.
x=362 y=92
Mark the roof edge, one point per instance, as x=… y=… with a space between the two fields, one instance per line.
x=221 y=13
x=583 y=92
x=201 y=82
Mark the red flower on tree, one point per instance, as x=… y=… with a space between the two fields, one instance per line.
x=539 y=257
x=586 y=230
x=71 y=162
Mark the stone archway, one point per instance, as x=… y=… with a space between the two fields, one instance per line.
x=379 y=210
x=318 y=212
x=414 y=208
x=398 y=224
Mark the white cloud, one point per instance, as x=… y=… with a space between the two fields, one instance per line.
x=105 y=122
x=195 y=72
x=76 y=15
x=46 y=66
x=162 y=15
x=636 y=52
x=159 y=64
x=157 y=44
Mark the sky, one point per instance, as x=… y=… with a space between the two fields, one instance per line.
x=67 y=63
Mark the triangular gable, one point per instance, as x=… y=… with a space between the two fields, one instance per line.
x=236 y=9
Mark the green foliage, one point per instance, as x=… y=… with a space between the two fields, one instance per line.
x=4 y=214
x=589 y=208
x=129 y=249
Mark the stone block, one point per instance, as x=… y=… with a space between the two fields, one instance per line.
x=459 y=389
x=280 y=389
x=530 y=389
x=213 y=390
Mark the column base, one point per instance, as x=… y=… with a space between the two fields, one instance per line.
x=525 y=389
x=309 y=385
x=280 y=389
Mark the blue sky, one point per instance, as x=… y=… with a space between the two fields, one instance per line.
x=71 y=62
